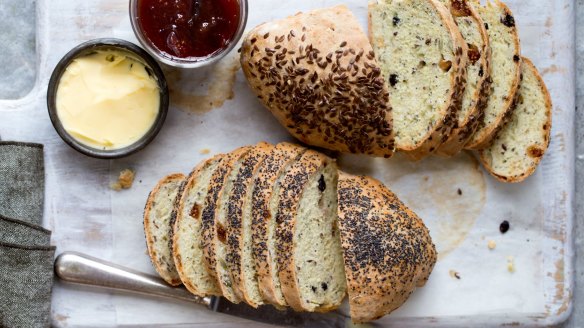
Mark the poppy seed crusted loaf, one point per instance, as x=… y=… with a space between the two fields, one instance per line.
x=265 y=200
x=308 y=249
x=505 y=72
x=423 y=57
x=317 y=73
x=521 y=144
x=157 y=226
x=239 y=257
x=187 y=231
x=387 y=249
x=478 y=82
x=281 y=225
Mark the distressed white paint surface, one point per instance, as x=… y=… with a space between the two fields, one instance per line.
x=86 y=216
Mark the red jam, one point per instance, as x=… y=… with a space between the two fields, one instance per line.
x=189 y=28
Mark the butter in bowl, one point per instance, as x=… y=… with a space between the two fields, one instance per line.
x=107 y=98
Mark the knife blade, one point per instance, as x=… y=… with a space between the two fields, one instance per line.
x=78 y=268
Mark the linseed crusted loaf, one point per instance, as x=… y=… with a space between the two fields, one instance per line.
x=478 y=82
x=521 y=144
x=239 y=257
x=210 y=234
x=218 y=238
x=317 y=73
x=388 y=251
x=308 y=248
x=423 y=57
x=265 y=200
x=505 y=72
x=187 y=230
x=157 y=226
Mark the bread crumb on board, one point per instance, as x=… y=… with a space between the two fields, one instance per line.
x=491 y=244
x=510 y=264
x=454 y=274
x=125 y=180
x=204 y=151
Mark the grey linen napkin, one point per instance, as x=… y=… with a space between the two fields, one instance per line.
x=26 y=277
x=22 y=181
x=18 y=232
x=26 y=257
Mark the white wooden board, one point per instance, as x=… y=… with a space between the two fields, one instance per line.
x=87 y=216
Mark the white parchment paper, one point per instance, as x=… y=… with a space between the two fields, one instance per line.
x=213 y=110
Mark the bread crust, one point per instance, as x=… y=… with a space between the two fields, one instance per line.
x=209 y=223
x=317 y=73
x=273 y=166
x=520 y=176
x=484 y=135
x=251 y=163
x=295 y=180
x=388 y=251
x=460 y=135
x=178 y=218
x=170 y=277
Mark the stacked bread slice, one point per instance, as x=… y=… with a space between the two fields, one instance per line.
x=491 y=88
x=438 y=76
x=527 y=133
x=158 y=223
x=267 y=224
x=423 y=57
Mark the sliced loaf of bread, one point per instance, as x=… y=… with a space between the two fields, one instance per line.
x=308 y=248
x=157 y=226
x=215 y=233
x=505 y=72
x=388 y=251
x=423 y=57
x=239 y=256
x=478 y=82
x=521 y=144
x=316 y=72
x=187 y=231
x=265 y=200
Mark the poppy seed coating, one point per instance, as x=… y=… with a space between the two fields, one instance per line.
x=266 y=181
x=239 y=256
x=387 y=249
x=208 y=217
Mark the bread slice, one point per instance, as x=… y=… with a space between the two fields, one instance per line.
x=157 y=226
x=239 y=256
x=187 y=230
x=308 y=248
x=388 y=251
x=423 y=57
x=265 y=200
x=505 y=72
x=478 y=82
x=521 y=144
x=316 y=72
x=215 y=224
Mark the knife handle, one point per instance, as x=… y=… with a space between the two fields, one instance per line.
x=82 y=269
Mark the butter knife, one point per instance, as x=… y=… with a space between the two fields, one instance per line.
x=82 y=269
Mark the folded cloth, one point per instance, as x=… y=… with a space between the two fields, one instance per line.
x=18 y=232
x=26 y=259
x=22 y=181
x=26 y=277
